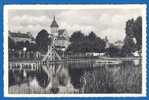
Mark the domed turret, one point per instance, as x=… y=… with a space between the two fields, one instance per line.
x=54 y=23
x=54 y=27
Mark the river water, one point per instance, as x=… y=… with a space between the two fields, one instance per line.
x=123 y=77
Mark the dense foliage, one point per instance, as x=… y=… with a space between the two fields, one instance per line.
x=42 y=41
x=133 y=39
x=81 y=43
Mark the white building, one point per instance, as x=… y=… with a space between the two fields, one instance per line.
x=119 y=44
x=21 y=37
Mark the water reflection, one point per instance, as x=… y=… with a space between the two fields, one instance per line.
x=125 y=77
x=92 y=77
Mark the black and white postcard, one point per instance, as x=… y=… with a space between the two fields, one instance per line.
x=75 y=50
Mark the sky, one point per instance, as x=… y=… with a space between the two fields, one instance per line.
x=103 y=22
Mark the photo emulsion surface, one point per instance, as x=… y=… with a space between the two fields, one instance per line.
x=82 y=50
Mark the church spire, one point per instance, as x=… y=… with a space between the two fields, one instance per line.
x=54 y=23
x=54 y=18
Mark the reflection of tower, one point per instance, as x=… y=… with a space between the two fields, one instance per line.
x=54 y=27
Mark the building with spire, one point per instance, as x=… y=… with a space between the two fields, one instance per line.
x=54 y=27
x=62 y=38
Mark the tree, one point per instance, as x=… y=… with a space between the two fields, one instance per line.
x=129 y=28
x=137 y=28
x=96 y=44
x=42 y=41
x=11 y=43
x=129 y=46
x=89 y=43
x=76 y=39
x=100 y=44
x=113 y=51
x=134 y=30
x=92 y=36
x=77 y=36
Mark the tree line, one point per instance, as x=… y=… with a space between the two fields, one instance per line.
x=80 y=43
x=92 y=43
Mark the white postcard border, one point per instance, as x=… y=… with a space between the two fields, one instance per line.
x=69 y=6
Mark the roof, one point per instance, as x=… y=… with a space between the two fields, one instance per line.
x=20 y=35
x=54 y=23
x=61 y=31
